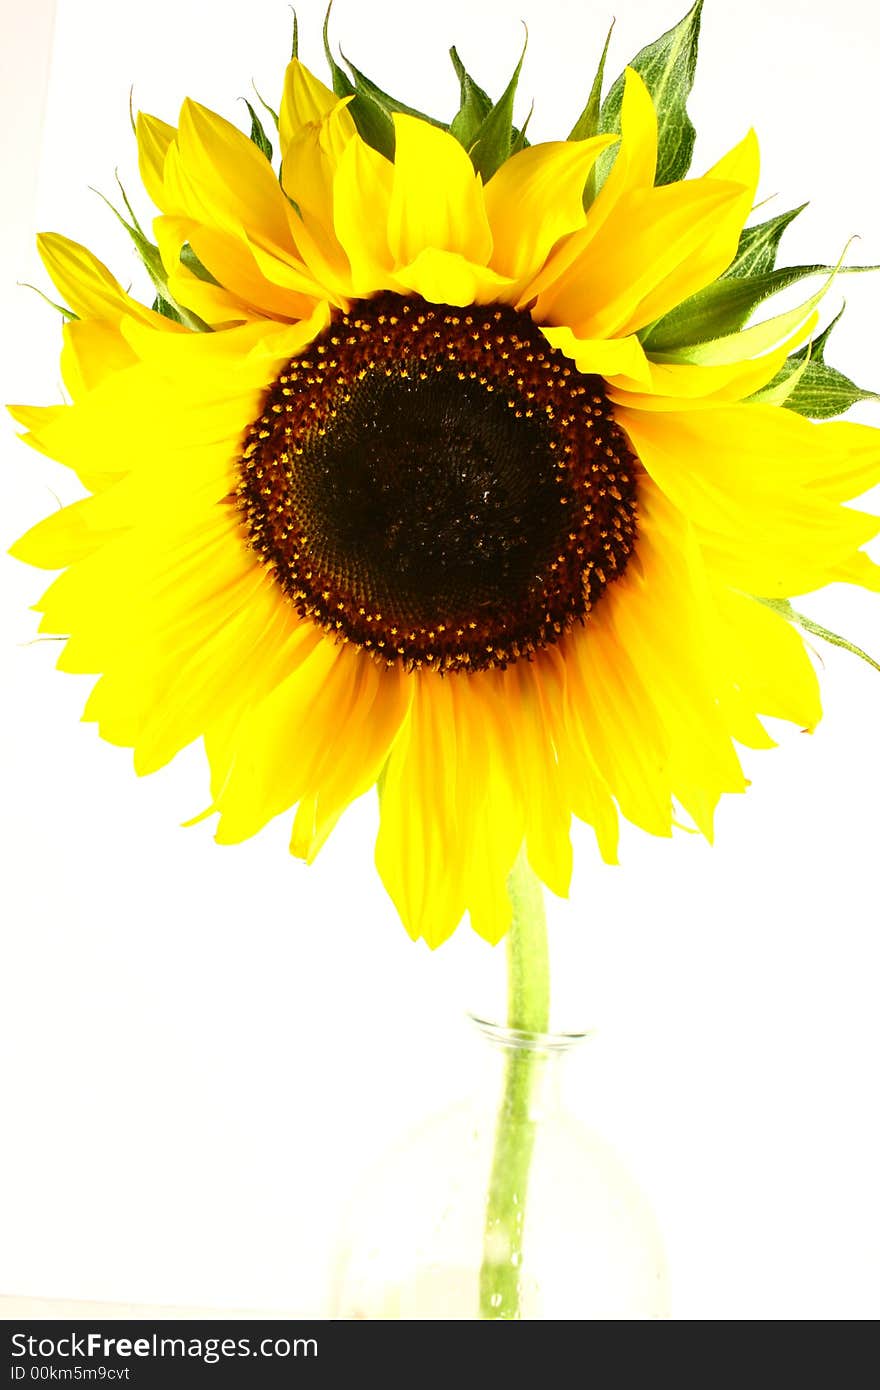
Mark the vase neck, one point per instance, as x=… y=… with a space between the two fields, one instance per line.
x=521 y=1040
x=541 y=1054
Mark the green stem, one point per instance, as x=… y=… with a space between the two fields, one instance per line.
x=528 y=1011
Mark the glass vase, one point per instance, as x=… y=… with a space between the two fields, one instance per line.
x=430 y=1236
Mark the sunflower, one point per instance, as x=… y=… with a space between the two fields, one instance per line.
x=412 y=476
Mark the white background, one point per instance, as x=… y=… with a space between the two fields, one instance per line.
x=202 y=1048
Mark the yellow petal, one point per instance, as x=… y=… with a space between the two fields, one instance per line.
x=451 y=847
x=36 y=420
x=284 y=737
x=229 y=179
x=742 y=164
x=742 y=474
x=88 y=287
x=218 y=671
x=436 y=198
x=655 y=612
x=210 y=302
x=490 y=808
x=848 y=461
x=231 y=260
x=445 y=277
x=361 y=199
x=606 y=698
x=60 y=539
x=714 y=253
x=379 y=710
x=665 y=385
x=634 y=168
x=417 y=848
x=547 y=813
x=635 y=164
x=304 y=103
x=134 y=420
x=93 y=350
x=608 y=357
x=762 y=663
x=248 y=354
x=154 y=137
x=658 y=247
x=535 y=198
x=134 y=702
x=308 y=173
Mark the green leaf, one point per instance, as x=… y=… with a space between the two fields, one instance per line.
x=725 y=306
x=152 y=262
x=816 y=349
x=258 y=134
x=373 y=124
x=339 y=78
x=190 y=260
x=778 y=390
x=266 y=107
x=587 y=123
x=371 y=108
x=822 y=392
x=367 y=88
x=494 y=139
x=475 y=104
x=68 y=314
x=759 y=245
x=294 y=42
x=814 y=389
x=168 y=311
x=128 y=206
x=751 y=341
x=783 y=607
x=519 y=141
x=667 y=68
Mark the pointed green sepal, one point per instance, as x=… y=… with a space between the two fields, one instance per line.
x=152 y=262
x=821 y=392
x=758 y=338
x=667 y=68
x=784 y=608
x=339 y=78
x=781 y=387
x=371 y=108
x=266 y=107
x=373 y=124
x=519 y=141
x=191 y=262
x=759 y=245
x=724 y=307
x=816 y=348
x=365 y=87
x=67 y=314
x=294 y=39
x=587 y=123
x=258 y=134
x=168 y=311
x=812 y=388
x=474 y=106
x=494 y=139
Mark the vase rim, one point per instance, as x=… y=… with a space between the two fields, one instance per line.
x=522 y=1039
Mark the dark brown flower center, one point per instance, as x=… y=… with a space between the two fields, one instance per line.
x=438 y=485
